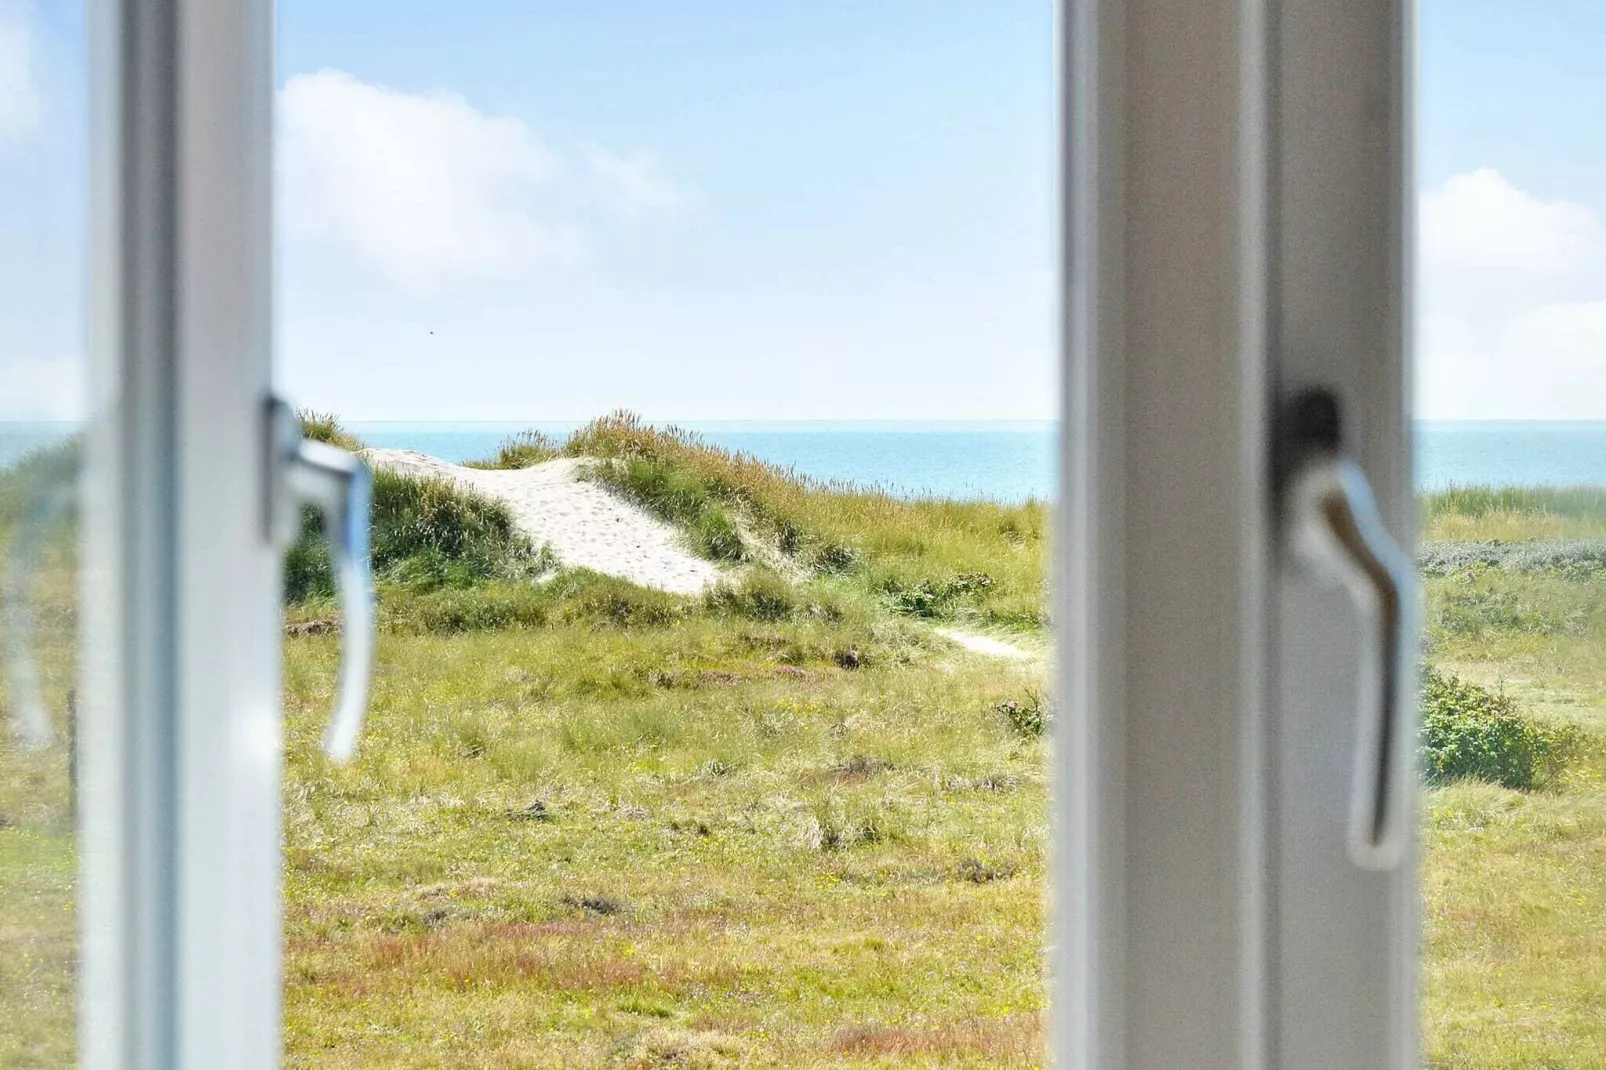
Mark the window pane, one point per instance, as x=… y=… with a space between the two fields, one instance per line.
x=1511 y=441
x=719 y=746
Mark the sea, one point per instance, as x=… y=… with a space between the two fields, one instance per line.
x=1009 y=461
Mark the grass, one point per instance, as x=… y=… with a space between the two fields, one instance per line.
x=969 y=561
x=779 y=846
x=426 y=534
x=1514 y=924
x=592 y=825
x=38 y=857
x=521 y=451
x=1513 y=514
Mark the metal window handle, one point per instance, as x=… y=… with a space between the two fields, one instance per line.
x=339 y=486
x=30 y=722
x=1335 y=530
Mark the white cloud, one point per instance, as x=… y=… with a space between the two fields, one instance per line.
x=632 y=183
x=41 y=388
x=419 y=187
x=19 y=92
x=1512 y=319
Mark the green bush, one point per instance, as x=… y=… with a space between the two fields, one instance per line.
x=1572 y=559
x=425 y=533
x=453 y=609
x=759 y=595
x=681 y=497
x=1469 y=731
x=925 y=598
x=1029 y=717
x=593 y=598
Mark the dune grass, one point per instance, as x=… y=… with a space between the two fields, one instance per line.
x=425 y=533
x=785 y=825
x=1514 y=923
x=705 y=843
x=1513 y=514
x=521 y=451
x=38 y=856
x=696 y=836
x=969 y=561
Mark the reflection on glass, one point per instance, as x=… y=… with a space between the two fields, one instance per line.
x=38 y=856
x=43 y=144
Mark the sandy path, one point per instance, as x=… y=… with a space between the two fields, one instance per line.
x=584 y=524
x=986 y=645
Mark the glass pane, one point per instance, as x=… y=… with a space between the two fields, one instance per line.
x=1511 y=443
x=42 y=214
x=709 y=732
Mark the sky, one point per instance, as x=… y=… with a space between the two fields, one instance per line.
x=767 y=210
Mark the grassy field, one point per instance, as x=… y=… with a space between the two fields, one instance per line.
x=1514 y=883
x=786 y=824
x=782 y=825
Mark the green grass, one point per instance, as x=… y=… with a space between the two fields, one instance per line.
x=605 y=846
x=38 y=857
x=425 y=534
x=1514 y=930
x=521 y=451
x=595 y=825
x=592 y=825
x=974 y=562
x=1513 y=514
x=745 y=853
x=325 y=427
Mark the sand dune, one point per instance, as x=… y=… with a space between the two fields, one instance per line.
x=585 y=525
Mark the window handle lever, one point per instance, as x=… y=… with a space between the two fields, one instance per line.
x=339 y=486
x=1335 y=531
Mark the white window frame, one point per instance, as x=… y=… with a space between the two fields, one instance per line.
x=1236 y=174
x=1236 y=230
x=181 y=929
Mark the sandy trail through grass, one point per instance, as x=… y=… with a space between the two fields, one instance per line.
x=584 y=524
x=986 y=645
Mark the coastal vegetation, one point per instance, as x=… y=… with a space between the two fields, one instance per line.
x=785 y=822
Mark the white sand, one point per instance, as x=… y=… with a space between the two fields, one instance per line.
x=985 y=645
x=585 y=525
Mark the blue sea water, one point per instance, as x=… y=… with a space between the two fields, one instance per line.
x=1005 y=461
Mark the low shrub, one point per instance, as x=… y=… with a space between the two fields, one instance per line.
x=1028 y=716
x=425 y=533
x=1469 y=731
x=1573 y=559
x=929 y=598
x=759 y=595
x=593 y=598
x=32 y=479
x=455 y=609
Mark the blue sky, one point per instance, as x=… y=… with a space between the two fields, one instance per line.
x=767 y=210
